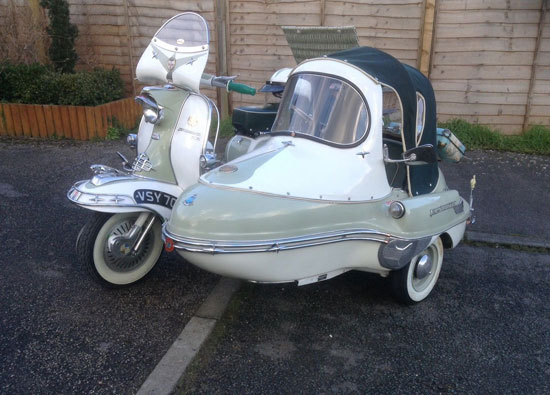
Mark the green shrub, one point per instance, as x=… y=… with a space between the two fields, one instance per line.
x=117 y=131
x=20 y=83
x=63 y=34
x=90 y=88
x=39 y=84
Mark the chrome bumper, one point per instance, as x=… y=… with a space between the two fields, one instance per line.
x=228 y=247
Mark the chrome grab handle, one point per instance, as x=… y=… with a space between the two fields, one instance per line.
x=387 y=159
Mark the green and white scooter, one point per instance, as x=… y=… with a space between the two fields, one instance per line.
x=122 y=241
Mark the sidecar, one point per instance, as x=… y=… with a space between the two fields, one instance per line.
x=347 y=179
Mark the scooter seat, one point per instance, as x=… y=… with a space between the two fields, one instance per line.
x=252 y=120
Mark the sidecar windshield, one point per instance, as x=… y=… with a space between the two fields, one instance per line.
x=186 y=30
x=322 y=107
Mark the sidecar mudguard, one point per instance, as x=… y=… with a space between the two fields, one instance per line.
x=125 y=193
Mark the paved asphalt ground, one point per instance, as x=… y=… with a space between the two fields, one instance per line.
x=60 y=333
x=512 y=194
x=483 y=330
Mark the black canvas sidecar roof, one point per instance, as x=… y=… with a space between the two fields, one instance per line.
x=406 y=81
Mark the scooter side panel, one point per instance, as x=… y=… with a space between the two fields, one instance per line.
x=161 y=135
x=144 y=135
x=189 y=140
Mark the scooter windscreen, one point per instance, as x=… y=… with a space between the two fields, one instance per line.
x=186 y=32
x=177 y=53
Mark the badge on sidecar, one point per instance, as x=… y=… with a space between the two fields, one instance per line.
x=150 y=196
x=192 y=121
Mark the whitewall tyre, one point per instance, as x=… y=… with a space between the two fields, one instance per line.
x=414 y=282
x=106 y=268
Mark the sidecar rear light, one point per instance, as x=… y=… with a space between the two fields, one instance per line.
x=397 y=209
x=169 y=245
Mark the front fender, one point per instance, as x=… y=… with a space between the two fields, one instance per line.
x=125 y=193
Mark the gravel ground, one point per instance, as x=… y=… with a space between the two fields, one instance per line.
x=60 y=332
x=484 y=330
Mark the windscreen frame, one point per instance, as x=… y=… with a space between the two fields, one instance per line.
x=318 y=139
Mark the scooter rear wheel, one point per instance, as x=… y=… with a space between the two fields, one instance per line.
x=105 y=267
x=414 y=282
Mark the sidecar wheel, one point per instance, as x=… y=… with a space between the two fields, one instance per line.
x=414 y=282
x=104 y=267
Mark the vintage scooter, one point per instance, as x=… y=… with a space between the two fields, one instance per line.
x=122 y=242
x=346 y=179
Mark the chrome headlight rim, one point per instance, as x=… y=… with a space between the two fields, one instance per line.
x=132 y=140
x=153 y=113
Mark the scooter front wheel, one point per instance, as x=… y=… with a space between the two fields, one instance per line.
x=117 y=269
x=414 y=282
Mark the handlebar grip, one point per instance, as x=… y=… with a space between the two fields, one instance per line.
x=241 y=88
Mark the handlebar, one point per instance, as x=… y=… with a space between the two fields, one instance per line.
x=240 y=88
x=227 y=83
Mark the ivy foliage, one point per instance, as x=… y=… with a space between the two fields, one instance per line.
x=63 y=33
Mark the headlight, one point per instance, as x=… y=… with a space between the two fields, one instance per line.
x=152 y=112
x=152 y=115
x=132 y=140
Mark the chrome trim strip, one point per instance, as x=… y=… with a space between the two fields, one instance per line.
x=292 y=243
x=227 y=247
x=99 y=197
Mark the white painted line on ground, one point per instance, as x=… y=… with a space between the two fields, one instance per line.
x=166 y=375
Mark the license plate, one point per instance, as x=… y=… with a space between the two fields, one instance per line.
x=150 y=196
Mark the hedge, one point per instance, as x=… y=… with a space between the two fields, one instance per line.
x=40 y=84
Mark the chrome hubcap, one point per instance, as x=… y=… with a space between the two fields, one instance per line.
x=423 y=267
x=117 y=249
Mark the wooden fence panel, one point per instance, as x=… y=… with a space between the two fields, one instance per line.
x=17 y=121
x=67 y=124
x=77 y=122
x=27 y=119
x=489 y=60
x=483 y=60
x=48 y=117
x=3 y=128
x=7 y=120
x=41 y=121
x=539 y=109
